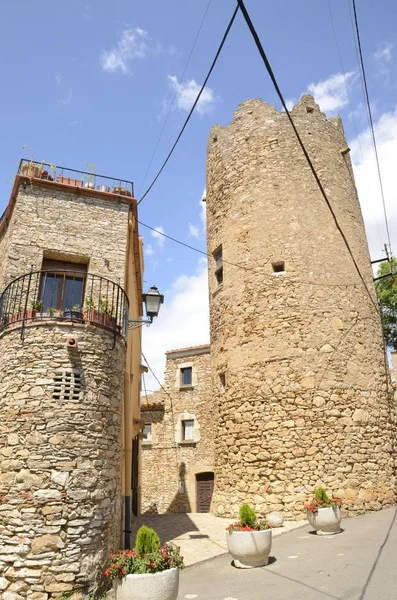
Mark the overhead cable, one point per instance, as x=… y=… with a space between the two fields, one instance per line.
x=171 y=106
x=194 y=105
x=352 y=115
x=281 y=97
x=364 y=79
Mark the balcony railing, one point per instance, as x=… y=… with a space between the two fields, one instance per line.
x=74 y=178
x=65 y=296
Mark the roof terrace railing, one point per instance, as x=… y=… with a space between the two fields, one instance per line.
x=75 y=178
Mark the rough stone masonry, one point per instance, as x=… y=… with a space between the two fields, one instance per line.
x=295 y=334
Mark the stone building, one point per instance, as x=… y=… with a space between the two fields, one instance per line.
x=299 y=376
x=70 y=277
x=180 y=427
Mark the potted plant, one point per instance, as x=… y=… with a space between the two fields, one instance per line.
x=37 y=306
x=122 y=191
x=90 y=314
x=323 y=513
x=106 y=314
x=51 y=311
x=249 y=540
x=89 y=178
x=73 y=313
x=148 y=571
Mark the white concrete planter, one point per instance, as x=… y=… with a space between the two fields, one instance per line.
x=249 y=548
x=156 y=586
x=326 y=521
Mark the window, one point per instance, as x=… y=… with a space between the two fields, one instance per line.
x=186 y=376
x=147 y=433
x=278 y=267
x=309 y=109
x=218 y=257
x=62 y=284
x=67 y=385
x=222 y=381
x=188 y=430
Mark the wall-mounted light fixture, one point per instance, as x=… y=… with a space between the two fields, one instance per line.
x=152 y=300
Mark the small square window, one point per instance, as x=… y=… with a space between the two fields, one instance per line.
x=278 y=267
x=147 y=433
x=218 y=257
x=186 y=376
x=309 y=109
x=222 y=381
x=188 y=430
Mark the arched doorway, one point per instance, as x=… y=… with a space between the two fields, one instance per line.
x=204 y=489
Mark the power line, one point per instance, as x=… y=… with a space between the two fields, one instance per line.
x=370 y=120
x=194 y=105
x=226 y=262
x=175 y=96
x=352 y=113
x=275 y=84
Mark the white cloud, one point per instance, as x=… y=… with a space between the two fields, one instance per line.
x=203 y=209
x=148 y=248
x=67 y=98
x=186 y=94
x=160 y=239
x=194 y=231
x=132 y=44
x=383 y=59
x=183 y=321
x=290 y=103
x=384 y=52
x=331 y=94
x=58 y=79
x=367 y=181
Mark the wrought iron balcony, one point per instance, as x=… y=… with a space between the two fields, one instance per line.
x=65 y=296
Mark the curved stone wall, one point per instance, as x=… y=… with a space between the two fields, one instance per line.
x=307 y=399
x=60 y=469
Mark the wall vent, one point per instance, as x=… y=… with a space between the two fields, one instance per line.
x=67 y=385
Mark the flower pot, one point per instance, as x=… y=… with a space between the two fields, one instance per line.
x=122 y=191
x=103 y=188
x=89 y=185
x=72 y=314
x=326 y=521
x=249 y=548
x=91 y=315
x=69 y=181
x=156 y=586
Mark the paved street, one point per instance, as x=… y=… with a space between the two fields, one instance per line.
x=200 y=535
x=358 y=564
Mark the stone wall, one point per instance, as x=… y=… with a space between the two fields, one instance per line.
x=65 y=225
x=294 y=332
x=60 y=447
x=170 y=465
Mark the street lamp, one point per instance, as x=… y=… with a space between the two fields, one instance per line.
x=153 y=300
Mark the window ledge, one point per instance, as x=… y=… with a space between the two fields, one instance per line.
x=146 y=444
x=186 y=387
x=187 y=443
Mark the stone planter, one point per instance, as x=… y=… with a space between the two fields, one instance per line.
x=326 y=521
x=156 y=586
x=249 y=548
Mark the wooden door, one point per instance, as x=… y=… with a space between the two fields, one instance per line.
x=205 y=487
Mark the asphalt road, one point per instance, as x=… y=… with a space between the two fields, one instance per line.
x=358 y=564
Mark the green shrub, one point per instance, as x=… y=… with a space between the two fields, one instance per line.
x=247 y=515
x=147 y=541
x=321 y=494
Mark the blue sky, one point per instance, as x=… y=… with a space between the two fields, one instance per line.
x=87 y=81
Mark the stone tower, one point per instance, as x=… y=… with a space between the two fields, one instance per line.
x=70 y=277
x=298 y=363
